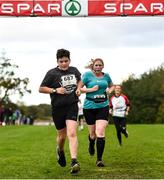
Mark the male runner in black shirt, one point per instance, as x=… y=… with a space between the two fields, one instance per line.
x=63 y=85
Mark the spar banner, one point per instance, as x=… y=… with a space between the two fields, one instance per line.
x=81 y=7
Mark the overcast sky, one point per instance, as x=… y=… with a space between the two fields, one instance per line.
x=128 y=45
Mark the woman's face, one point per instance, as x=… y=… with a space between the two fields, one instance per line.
x=118 y=89
x=98 y=66
x=63 y=63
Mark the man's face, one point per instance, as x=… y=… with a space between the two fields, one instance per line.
x=63 y=63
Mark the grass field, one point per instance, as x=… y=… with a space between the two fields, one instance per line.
x=29 y=152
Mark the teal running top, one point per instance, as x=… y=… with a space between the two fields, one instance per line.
x=90 y=80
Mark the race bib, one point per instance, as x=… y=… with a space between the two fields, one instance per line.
x=69 y=82
x=100 y=98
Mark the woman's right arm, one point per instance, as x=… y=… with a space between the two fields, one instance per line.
x=87 y=90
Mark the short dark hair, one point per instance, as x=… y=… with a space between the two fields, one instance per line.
x=62 y=53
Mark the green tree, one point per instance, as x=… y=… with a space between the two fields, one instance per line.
x=147 y=96
x=39 y=112
x=160 y=115
x=9 y=83
x=44 y=111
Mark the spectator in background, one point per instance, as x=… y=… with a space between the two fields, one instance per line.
x=13 y=119
x=1 y=114
x=31 y=120
x=18 y=116
x=8 y=112
x=80 y=115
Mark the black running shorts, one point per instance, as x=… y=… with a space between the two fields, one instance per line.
x=91 y=115
x=61 y=114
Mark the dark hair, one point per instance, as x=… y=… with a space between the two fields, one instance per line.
x=62 y=53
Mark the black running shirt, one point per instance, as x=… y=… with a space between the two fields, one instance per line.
x=68 y=79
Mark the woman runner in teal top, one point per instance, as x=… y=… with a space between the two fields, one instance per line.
x=90 y=80
x=97 y=85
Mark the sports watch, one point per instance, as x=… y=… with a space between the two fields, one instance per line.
x=53 y=91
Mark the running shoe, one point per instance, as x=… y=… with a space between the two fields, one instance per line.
x=99 y=163
x=61 y=157
x=75 y=167
x=126 y=134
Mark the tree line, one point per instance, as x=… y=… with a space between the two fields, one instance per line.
x=146 y=95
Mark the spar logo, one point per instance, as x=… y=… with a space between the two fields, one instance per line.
x=72 y=7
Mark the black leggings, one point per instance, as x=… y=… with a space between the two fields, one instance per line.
x=120 y=124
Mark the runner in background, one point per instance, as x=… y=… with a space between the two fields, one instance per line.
x=119 y=109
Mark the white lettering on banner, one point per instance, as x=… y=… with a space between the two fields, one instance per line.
x=84 y=8
x=125 y=6
x=140 y=7
x=110 y=8
x=53 y=7
x=9 y=8
x=156 y=6
x=24 y=7
x=113 y=8
x=38 y=8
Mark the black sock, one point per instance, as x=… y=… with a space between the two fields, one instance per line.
x=100 y=147
x=74 y=160
x=92 y=141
